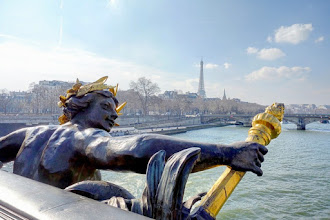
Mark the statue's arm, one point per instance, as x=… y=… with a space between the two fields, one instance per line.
x=132 y=153
x=10 y=144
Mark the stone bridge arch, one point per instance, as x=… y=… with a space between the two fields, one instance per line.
x=301 y=120
x=245 y=120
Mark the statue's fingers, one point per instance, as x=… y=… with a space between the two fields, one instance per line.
x=257 y=170
x=263 y=149
x=258 y=163
x=261 y=157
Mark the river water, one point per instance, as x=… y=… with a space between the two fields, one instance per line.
x=295 y=184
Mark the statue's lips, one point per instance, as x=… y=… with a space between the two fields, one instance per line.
x=111 y=122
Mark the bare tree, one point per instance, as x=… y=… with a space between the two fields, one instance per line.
x=145 y=90
x=45 y=98
x=38 y=98
x=5 y=100
x=132 y=99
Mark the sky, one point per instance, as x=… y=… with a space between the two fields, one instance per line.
x=258 y=51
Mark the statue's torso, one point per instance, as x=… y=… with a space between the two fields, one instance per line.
x=28 y=158
x=49 y=154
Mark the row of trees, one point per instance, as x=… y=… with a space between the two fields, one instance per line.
x=142 y=100
x=141 y=97
x=184 y=106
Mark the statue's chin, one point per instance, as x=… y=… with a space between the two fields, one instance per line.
x=104 y=128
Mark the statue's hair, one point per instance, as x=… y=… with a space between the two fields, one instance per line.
x=77 y=104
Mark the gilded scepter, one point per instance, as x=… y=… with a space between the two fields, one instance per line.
x=265 y=126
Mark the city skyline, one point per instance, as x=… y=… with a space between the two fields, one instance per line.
x=260 y=52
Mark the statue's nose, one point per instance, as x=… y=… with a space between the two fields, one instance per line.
x=114 y=115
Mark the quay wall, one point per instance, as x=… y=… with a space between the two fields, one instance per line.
x=154 y=121
x=9 y=123
x=6 y=128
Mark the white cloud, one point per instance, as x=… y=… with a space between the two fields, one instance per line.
x=320 y=39
x=9 y=37
x=190 y=85
x=266 y=54
x=211 y=66
x=17 y=39
x=227 y=65
x=251 y=50
x=293 y=34
x=283 y=72
x=270 y=54
x=21 y=65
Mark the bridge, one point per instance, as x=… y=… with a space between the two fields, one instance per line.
x=301 y=120
x=243 y=119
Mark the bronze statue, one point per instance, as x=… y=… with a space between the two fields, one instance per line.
x=62 y=155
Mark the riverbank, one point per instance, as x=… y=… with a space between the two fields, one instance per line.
x=165 y=130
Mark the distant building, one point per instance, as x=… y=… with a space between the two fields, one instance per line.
x=224 y=97
x=201 y=89
x=323 y=109
x=174 y=95
x=191 y=95
x=301 y=108
x=236 y=100
x=19 y=102
x=55 y=84
x=169 y=95
x=45 y=96
x=212 y=99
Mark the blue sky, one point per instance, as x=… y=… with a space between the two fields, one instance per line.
x=259 y=51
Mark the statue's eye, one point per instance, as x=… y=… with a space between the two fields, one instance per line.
x=106 y=106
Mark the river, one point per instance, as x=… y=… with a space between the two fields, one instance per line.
x=295 y=184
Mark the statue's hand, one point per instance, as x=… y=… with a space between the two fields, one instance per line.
x=247 y=156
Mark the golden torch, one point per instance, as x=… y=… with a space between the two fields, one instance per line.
x=265 y=126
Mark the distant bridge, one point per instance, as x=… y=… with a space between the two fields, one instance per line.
x=301 y=120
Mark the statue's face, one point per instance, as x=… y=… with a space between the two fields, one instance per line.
x=101 y=113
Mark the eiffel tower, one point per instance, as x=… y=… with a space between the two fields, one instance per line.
x=201 y=89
